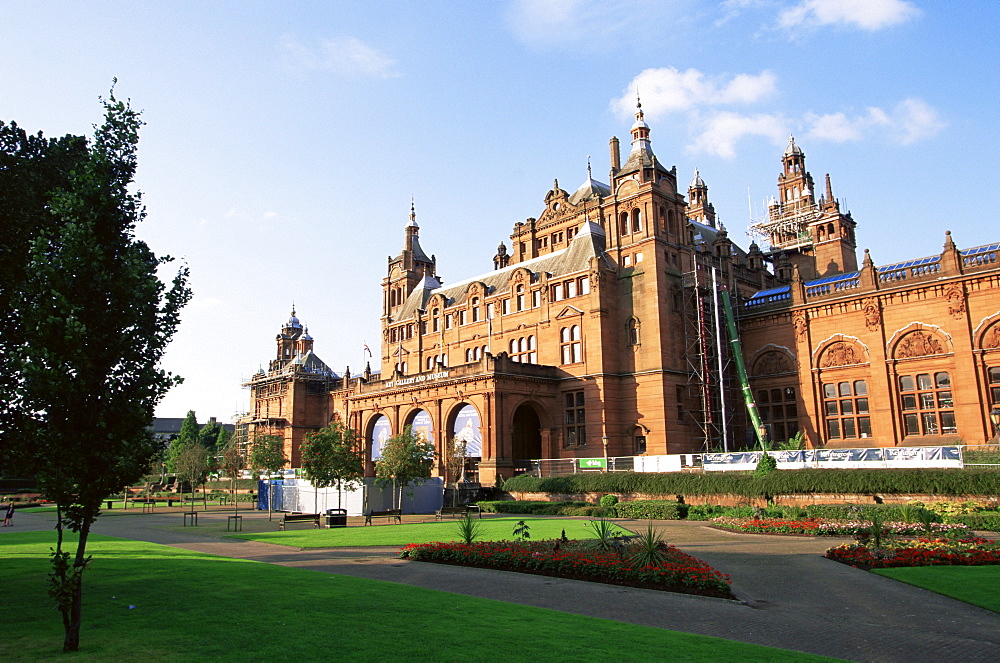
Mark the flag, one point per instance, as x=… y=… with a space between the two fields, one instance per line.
x=368 y=350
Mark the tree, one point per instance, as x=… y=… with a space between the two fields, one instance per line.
x=208 y=436
x=90 y=321
x=406 y=457
x=332 y=456
x=267 y=457
x=234 y=461
x=455 y=453
x=192 y=465
x=188 y=434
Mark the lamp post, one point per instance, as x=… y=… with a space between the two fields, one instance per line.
x=995 y=419
x=604 y=441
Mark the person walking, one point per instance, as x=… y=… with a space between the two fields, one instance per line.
x=8 y=517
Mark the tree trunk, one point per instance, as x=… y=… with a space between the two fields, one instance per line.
x=72 y=639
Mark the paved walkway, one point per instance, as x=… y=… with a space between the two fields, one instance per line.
x=791 y=597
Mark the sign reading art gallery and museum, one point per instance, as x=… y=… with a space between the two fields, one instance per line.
x=381 y=431
x=467 y=429
x=416 y=379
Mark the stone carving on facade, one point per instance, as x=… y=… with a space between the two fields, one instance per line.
x=918 y=344
x=956 y=301
x=771 y=363
x=800 y=323
x=873 y=315
x=840 y=354
x=991 y=339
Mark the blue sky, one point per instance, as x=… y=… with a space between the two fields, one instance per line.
x=284 y=141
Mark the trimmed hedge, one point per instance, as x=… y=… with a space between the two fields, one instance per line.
x=651 y=509
x=778 y=482
x=889 y=512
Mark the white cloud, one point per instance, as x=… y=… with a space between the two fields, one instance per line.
x=910 y=121
x=345 y=56
x=721 y=131
x=711 y=107
x=668 y=90
x=870 y=15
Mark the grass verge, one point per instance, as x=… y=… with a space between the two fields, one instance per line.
x=148 y=602
x=493 y=529
x=972 y=584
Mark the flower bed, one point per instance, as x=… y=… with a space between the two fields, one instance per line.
x=576 y=560
x=970 y=551
x=816 y=527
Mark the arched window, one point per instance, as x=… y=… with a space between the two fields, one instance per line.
x=636 y=220
x=475 y=309
x=671 y=223
x=632 y=332
x=623 y=226
x=436 y=320
x=523 y=350
x=520 y=298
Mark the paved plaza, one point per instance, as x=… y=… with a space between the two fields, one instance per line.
x=790 y=596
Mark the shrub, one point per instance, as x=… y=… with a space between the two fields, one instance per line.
x=651 y=509
x=539 y=508
x=609 y=500
x=892 y=512
x=705 y=511
x=984 y=521
x=765 y=466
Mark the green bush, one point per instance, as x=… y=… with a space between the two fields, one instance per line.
x=988 y=521
x=652 y=509
x=765 y=466
x=609 y=500
x=705 y=511
x=785 y=482
x=529 y=507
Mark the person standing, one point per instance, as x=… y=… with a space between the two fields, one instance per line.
x=8 y=518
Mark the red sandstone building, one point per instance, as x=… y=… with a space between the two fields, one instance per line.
x=599 y=334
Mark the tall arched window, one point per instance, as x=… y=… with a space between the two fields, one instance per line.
x=636 y=220
x=623 y=226
x=520 y=298
x=436 y=320
x=475 y=309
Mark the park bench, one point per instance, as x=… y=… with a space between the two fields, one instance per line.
x=395 y=514
x=298 y=518
x=457 y=511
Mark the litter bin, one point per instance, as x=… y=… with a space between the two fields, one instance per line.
x=336 y=517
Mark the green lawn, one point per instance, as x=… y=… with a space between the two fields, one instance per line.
x=151 y=603
x=973 y=584
x=493 y=529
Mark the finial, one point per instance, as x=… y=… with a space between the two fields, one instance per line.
x=555 y=184
x=638 y=105
x=590 y=175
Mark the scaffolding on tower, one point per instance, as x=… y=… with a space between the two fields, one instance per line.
x=712 y=385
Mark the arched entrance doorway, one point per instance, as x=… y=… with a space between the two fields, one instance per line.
x=527 y=435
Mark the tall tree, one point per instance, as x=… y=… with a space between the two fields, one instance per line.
x=406 y=458
x=188 y=435
x=332 y=456
x=267 y=456
x=91 y=321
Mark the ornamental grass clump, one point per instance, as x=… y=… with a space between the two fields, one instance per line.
x=469 y=528
x=649 y=548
